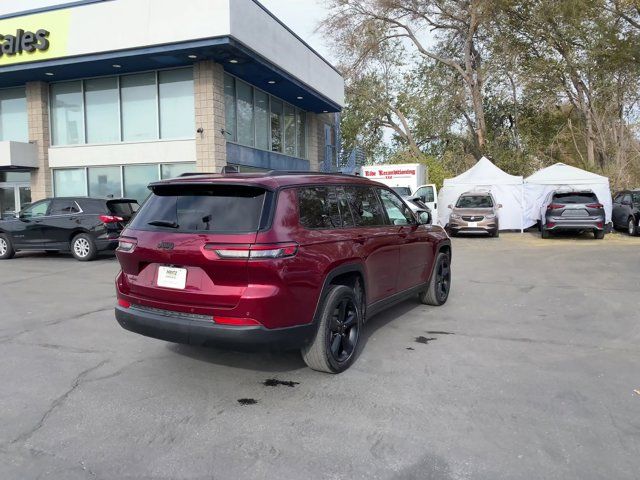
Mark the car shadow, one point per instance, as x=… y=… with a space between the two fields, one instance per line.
x=387 y=316
x=261 y=360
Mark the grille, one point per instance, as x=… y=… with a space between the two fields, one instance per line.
x=172 y=314
x=472 y=218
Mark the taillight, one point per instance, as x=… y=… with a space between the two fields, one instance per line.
x=123 y=303
x=110 y=219
x=126 y=244
x=235 y=321
x=595 y=205
x=554 y=206
x=551 y=224
x=253 y=252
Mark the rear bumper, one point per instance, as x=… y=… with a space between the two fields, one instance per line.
x=177 y=329
x=577 y=224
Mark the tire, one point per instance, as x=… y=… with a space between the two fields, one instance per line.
x=440 y=283
x=544 y=233
x=335 y=345
x=598 y=234
x=632 y=229
x=495 y=234
x=83 y=248
x=6 y=248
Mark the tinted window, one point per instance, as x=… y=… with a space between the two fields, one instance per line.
x=122 y=209
x=397 y=211
x=475 y=201
x=64 y=207
x=93 y=206
x=365 y=206
x=575 y=197
x=636 y=198
x=618 y=198
x=38 y=209
x=324 y=207
x=210 y=208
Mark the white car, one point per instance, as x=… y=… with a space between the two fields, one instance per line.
x=429 y=196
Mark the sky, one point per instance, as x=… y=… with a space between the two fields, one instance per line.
x=301 y=16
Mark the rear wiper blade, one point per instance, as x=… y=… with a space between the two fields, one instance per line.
x=163 y=223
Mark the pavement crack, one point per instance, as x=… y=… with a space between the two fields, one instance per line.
x=57 y=402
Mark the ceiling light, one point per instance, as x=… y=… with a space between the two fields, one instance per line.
x=271 y=82
x=49 y=74
x=115 y=65
x=193 y=57
x=233 y=60
x=299 y=98
x=325 y=111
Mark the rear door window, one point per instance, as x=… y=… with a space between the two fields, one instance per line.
x=578 y=197
x=202 y=208
x=365 y=207
x=323 y=208
x=64 y=207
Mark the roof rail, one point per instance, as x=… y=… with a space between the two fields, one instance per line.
x=299 y=172
x=193 y=174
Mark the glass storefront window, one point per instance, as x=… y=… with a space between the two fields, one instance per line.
x=139 y=107
x=13 y=115
x=67 y=123
x=136 y=179
x=230 y=107
x=245 y=113
x=289 y=130
x=104 y=181
x=276 y=125
x=15 y=177
x=102 y=111
x=70 y=182
x=173 y=170
x=177 y=110
x=263 y=129
x=302 y=133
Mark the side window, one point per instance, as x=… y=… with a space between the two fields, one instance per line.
x=626 y=199
x=38 y=209
x=636 y=199
x=64 y=207
x=618 y=198
x=397 y=211
x=426 y=194
x=365 y=206
x=319 y=207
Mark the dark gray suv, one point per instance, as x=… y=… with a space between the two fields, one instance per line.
x=576 y=210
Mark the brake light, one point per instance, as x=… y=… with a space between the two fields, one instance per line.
x=253 y=252
x=110 y=219
x=126 y=244
x=554 y=206
x=595 y=205
x=236 y=322
x=123 y=303
x=551 y=224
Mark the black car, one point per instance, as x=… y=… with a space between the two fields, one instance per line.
x=575 y=210
x=83 y=226
x=626 y=211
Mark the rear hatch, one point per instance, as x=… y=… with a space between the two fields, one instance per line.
x=575 y=206
x=177 y=233
x=122 y=209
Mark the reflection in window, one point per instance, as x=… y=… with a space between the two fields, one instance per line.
x=289 y=130
x=70 y=182
x=276 y=125
x=263 y=130
x=104 y=182
x=67 y=126
x=136 y=179
x=365 y=206
x=173 y=170
x=177 y=110
x=302 y=134
x=230 y=107
x=139 y=107
x=102 y=111
x=13 y=115
x=245 y=113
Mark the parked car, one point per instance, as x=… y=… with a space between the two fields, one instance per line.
x=83 y=226
x=418 y=206
x=429 y=196
x=293 y=260
x=577 y=210
x=475 y=212
x=626 y=211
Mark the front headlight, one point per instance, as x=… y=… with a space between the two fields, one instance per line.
x=455 y=216
x=490 y=217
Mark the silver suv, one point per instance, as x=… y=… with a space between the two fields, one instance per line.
x=475 y=212
x=576 y=210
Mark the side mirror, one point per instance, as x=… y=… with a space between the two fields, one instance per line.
x=424 y=217
x=450 y=207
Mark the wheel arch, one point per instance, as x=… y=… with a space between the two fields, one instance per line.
x=345 y=274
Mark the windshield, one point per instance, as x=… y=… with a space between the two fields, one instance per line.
x=402 y=190
x=210 y=208
x=475 y=201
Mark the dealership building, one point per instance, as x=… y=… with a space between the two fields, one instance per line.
x=100 y=98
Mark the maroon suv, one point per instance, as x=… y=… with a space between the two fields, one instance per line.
x=294 y=260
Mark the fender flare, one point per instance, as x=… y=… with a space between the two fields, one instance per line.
x=349 y=267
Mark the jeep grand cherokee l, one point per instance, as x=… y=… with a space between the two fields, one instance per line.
x=276 y=259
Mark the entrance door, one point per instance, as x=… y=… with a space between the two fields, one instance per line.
x=13 y=197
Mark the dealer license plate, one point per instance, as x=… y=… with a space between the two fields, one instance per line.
x=472 y=224
x=172 y=277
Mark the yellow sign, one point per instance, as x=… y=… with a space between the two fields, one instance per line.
x=41 y=36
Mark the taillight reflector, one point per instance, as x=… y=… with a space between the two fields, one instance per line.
x=554 y=206
x=126 y=244
x=235 y=321
x=595 y=205
x=123 y=303
x=110 y=219
x=254 y=252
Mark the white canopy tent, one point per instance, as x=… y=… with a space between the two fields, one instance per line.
x=538 y=186
x=484 y=175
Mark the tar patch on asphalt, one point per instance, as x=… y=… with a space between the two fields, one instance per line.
x=410 y=348
x=274 y=382
x=440 y=333
x=247 y=401
x=424 y=340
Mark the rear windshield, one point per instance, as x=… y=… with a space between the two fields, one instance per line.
x=123 y=209
x=575 y=197
x=475 y=201
x=210 y=208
